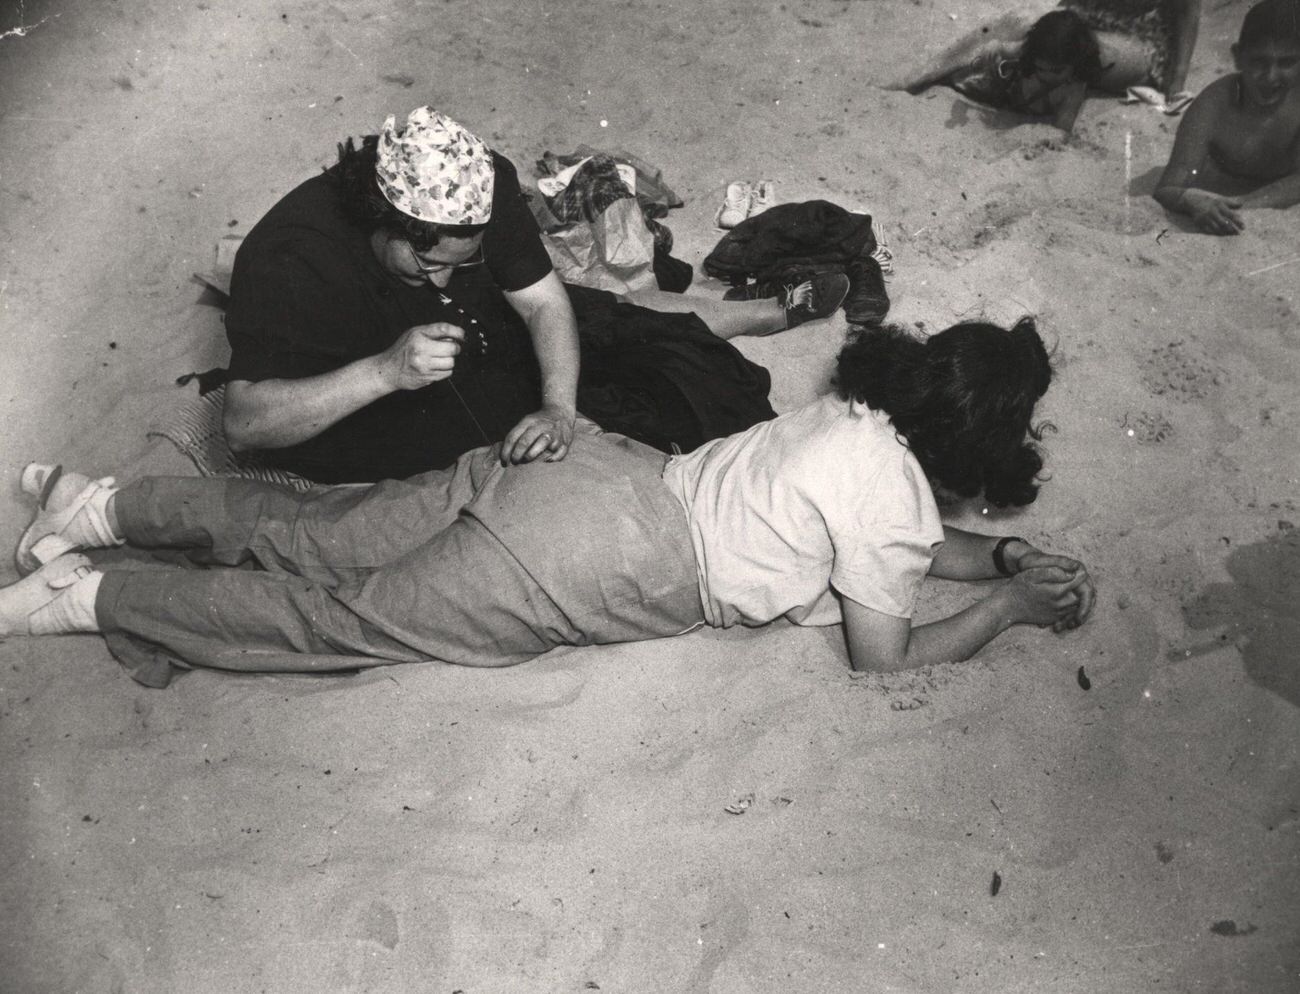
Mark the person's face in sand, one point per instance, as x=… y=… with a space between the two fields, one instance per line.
x=1052 y=74
x=1269 y=71
x=436 y=265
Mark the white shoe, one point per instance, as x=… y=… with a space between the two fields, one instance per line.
x=61 y=498
x=24 y=602
x=735 y=205
x=882 y=254
x=763 y=197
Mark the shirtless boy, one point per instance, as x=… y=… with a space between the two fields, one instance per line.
x=1238 y=146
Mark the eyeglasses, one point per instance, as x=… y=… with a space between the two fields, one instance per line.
x=438 y=268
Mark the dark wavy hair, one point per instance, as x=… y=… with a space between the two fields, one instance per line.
x=963 y=400
x=364 y=204
x=1063 y=38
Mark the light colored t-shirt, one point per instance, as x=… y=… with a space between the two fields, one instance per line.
x=825 y=496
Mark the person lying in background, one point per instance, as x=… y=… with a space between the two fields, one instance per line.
x=821 y=516
x=1238 y=147
x=1043 y=68
x=1045 y=76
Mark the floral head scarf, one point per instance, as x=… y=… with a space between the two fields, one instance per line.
x=434 y=170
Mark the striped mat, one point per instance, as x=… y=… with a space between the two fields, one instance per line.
x=196 y=430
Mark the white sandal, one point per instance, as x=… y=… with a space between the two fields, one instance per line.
x=38 y=479
x=44 y=541
x=40 y=590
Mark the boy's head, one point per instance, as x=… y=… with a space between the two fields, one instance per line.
x=1270 y=20
x=1267 y=53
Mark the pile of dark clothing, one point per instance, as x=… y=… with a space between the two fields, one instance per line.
x=663 y=378
x=786 y=245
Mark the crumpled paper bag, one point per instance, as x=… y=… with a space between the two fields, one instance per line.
x=614 y=252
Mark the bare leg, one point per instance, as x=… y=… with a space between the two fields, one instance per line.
x=725 y=318
x=1127 y=61
x=1187 y=15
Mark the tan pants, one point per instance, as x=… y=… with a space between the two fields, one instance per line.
x=476 y=564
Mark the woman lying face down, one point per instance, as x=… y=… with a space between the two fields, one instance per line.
x=964 y=402
x=822 y=515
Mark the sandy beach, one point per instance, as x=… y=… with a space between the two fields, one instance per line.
x=1116 y=810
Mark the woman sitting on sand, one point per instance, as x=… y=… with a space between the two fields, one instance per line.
x=1239 y=145
x=1043 y=68
x=821 y=515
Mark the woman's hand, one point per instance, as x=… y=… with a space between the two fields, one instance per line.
x=547 y=432
x=424 y=354
x=1046 y=590
x=1054 y=591
x=1087 y=593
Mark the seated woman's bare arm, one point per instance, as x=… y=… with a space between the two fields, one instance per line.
x=274 y=413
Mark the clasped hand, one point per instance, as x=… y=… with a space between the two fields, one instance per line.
x=1051 y=590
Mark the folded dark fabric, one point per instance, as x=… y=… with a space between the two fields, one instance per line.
x=790 y=237
x=671 y=273
x=663 y=378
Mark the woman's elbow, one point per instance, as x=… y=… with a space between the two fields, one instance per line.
x=872 y=659
x=238 y=429
x=238 y=442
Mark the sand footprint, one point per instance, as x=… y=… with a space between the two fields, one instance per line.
x=1180 y=371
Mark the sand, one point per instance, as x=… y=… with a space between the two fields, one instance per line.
x=566 y=825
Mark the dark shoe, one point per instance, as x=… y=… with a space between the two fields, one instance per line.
x=761 y=290
x=867 y=302
x=820 y=297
